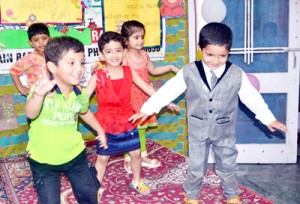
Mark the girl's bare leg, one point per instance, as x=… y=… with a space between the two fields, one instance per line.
x=136 y=162
x=137 y=183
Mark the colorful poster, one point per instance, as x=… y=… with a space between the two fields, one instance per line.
x=54 y=11
x=147 y=12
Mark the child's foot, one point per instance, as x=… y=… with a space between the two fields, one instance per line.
x=235 y=200
x=140 y=187
x=100 y=193
x=151 y=163
x=127 y=167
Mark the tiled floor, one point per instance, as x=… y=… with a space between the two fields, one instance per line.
x=279 y=183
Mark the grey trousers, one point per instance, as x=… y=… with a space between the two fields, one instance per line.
x=225 y=154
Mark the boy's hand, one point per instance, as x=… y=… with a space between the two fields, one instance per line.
x=140 y=117
x=24 y=90
x=174 y=69
x=277 y=125
x=44 y=85
x=101 y=137
x=173 y=107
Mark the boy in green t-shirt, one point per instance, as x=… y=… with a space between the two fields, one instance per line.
x=55 y=145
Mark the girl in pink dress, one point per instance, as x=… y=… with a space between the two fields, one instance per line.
x=137 y=59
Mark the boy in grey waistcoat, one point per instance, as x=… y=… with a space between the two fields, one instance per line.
x=213 y=87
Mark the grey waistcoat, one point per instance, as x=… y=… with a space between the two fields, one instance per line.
x=211 y=113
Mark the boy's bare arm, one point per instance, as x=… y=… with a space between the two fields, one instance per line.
x=35 y=102
x=33 y=106
x=22 y=89
x=90 y=119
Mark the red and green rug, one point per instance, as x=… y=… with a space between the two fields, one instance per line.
x=165 y=182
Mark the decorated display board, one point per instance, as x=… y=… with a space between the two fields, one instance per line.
x=54 y=11
x=147 y=13
x=87 y=26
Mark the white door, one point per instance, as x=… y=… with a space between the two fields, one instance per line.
x=266 y=44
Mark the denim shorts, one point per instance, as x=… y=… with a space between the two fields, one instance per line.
x=120 y=143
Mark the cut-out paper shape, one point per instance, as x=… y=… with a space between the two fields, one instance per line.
x=171 y=8
x=31 y=20
x=85 y=4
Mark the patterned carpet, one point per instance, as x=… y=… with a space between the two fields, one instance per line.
x=165 y=182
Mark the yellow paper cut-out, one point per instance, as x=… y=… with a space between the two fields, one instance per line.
x=147 y=12
x=50 y=11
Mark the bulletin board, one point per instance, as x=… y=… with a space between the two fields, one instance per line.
x=147 y=12
x=84 y=20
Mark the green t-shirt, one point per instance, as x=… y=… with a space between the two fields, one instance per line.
x=53 y=136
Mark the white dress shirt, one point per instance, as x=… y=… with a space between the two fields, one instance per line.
x=176 y=86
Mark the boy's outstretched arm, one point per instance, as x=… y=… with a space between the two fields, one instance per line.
x=22 y=89
x=90 y=119
x=167 y=93
x=35 y=101
x=141 y=117
x=277 y=125
x=149 y=90
x=255 y=102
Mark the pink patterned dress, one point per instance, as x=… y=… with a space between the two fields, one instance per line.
x=138 y=96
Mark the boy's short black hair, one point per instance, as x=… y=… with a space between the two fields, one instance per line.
x=36 y=29
x=108 y=36
x=215 y=34
x=130 y=27
x=58 y=46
